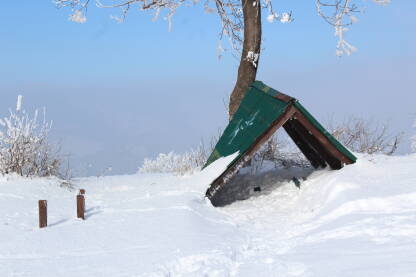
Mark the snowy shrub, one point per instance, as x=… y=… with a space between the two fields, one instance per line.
x=180 y=164
x=365 y=136
x=24 y=145
x=359 y=135
x=274 y=153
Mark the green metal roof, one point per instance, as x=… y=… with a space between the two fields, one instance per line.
x=256 y=113
x=264 y=107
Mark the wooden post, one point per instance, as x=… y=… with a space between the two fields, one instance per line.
x=82 y=191
x=43 y=213
x=80 y=206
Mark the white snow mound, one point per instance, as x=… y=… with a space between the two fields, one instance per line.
x=358 y=221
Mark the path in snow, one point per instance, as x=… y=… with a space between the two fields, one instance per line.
x=359 y=221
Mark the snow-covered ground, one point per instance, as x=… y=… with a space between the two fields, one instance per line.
x=359 y=221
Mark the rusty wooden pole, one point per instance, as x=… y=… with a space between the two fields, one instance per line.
x=82 y=191
x=80 y=206
x=43 y=213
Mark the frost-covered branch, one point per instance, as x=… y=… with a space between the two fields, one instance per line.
x=229 y=11
x=232 y=19
x=79 y=7
x=24 y=145
x=341 y=14
x=231 y=16
x=365 y=136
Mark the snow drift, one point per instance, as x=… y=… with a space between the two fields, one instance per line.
x=359 y=221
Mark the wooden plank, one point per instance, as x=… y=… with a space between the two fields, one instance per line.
x=236 y=166
x=80 y=206
x=322 y=139
x=309 y=152
x=43 y=213
x=313 y=141
x=283 y=97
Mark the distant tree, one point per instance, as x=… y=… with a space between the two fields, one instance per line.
x=240 y=23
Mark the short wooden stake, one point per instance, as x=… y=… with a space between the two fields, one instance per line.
x=80 y=206
x=43 y=213
x=82 y=191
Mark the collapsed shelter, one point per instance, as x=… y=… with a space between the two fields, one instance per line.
x=262 y=111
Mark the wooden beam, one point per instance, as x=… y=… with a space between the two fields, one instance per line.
x=313 y=141
x=43 y=213
x=283 y=97
x=322 y=139
x=80 y=206
x=310 y=153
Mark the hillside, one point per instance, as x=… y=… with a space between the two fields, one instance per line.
x=359 y=221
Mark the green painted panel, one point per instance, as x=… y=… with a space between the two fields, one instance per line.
x=257 y=111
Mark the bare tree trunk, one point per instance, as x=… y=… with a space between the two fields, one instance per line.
x=248 y=65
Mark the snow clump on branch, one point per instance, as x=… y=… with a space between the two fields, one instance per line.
x=78 y=17
x=283 y=18
x=252 y=58
x=340 y=14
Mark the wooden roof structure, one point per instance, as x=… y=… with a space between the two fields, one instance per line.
x=262 y=111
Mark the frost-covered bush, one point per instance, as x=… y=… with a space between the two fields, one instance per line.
x=274 y=153
x=359 y=135
x=365 y=136
x=180 y=164
x=24 y=145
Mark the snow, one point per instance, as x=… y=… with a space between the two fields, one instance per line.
x=285 y=18
x=220 y=50
x=358 y=221
x=271 y=17
x=19 y=103
x=382 y=2
x=78 y=17
x=343 y=47
x=252 y=57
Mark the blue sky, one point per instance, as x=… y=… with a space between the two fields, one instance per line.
x=120 y=92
